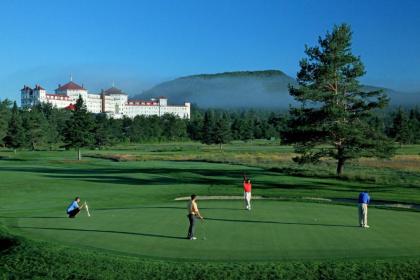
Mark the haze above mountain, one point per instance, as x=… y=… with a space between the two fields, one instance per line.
x=244 y=89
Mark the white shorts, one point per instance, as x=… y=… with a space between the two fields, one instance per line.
x=247 y=195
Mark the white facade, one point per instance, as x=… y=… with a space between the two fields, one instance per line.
x=112 y=102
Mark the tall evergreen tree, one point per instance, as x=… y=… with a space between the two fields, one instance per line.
x=334 y=111
x=35 y=126
x=15 y=137
x=116 y=129
x=247 y=126
x=126 y=124
x=102 y=131
x=173 y=127
x=55 y=126
x=400 y=129
x=222 y=132
x=236 y=128
x=208 y=127
x=195 y=126
x=279 y=123
x=79 y=127
x=135 y=131
x=4 y=119
x=414 y=120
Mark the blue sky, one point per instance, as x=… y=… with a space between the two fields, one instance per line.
x=140 y=43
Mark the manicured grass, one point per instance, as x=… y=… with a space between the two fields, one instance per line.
x=40 y=260
x=273 y=230
x=137 y=223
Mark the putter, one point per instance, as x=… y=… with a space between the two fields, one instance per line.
x=204 y=230
x=87 y=209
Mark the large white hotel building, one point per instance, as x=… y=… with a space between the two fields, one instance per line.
x=112 y=101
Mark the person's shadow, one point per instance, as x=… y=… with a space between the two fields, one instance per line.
x=103 y=231
x=277 y=222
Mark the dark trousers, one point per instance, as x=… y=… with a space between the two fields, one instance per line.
x=192 y=219
x=73 y=212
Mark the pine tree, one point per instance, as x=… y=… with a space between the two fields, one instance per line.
x=208 y=128
x=414 y=123
x=195 y=126
x=334 y=111
x=126 y=125
x=247 y=128
x=400 y=130
x=279 y=123
x=116 y=130
x=79 y=127
x=173 y=127
x=4 y=119
x=236 y=128
x=102 y=131
x=55 y=120
x=135 y=129
x=15 y=137
x=222 y=133
x=35 y=126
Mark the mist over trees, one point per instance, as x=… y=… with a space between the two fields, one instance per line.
x=334 y=116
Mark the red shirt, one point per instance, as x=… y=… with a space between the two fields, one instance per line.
x=247 y=187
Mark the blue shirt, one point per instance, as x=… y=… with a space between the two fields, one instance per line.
x=72 y=206
x=364 y=198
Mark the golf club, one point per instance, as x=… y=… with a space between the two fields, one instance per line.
x=204 y=230
x=87 y=209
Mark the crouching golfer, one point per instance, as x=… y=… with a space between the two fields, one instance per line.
x=364 y=200
x=74 y=208
x=193 y=213
x=247 y=193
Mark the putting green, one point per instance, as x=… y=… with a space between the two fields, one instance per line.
x=273 y=230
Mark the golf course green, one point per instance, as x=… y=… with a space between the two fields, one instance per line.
x=273 y=230
x=134 y=212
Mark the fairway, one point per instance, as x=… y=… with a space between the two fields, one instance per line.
x=273 y=230
x=134 y=212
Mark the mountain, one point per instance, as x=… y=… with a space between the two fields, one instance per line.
x=242 y=89
x=398 y=98
x=229 y=90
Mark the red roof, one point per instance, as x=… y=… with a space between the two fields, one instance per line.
x=71 y=107
x=70 y=86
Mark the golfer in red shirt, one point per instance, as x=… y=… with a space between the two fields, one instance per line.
x=247 y=193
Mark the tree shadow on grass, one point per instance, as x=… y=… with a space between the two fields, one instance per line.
x=139 y=207
x=12 y=159
x=178 y=175
x=33 y=217
x=164 y=207
x=276 y=222
x=222 y=208
x=105 y=231
x=194 y=179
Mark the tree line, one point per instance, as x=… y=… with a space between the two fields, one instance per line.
x=46 y=127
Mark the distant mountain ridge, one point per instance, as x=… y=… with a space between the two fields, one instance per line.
x=242 y=89
x=236 y=74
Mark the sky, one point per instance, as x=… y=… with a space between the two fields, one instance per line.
x=137 y=44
